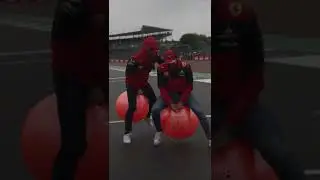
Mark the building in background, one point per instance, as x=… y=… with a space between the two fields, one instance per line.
x=123 y=45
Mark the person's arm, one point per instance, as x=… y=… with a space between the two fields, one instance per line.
x=131 y=67
x=186 y=93
x=162 y=81
x=157 y=62
x=253 y=51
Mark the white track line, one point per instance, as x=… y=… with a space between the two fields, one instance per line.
x=312 y=172
x=113 y=78
x=115 y=122
x=116 y=81
x=307 y=172
x=22 y=62
x=207 y=81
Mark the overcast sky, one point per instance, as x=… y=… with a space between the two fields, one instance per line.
x=183 y=16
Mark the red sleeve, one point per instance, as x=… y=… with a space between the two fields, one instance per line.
x=162 y=86
x=165 y=96
x=189 y=75
x=186 y=94
x=246 y=98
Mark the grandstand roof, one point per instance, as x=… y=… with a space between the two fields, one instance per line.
x=144 y=29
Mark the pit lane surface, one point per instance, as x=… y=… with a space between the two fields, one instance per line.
x=186 y=160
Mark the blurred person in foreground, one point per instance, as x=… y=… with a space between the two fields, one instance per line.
x=137 y=75
x=238 y=62
x=80 y=70
x=175 y=81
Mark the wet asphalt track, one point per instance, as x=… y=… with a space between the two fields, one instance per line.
x=167 y=161
x=291 y=92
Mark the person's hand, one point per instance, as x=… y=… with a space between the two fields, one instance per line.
x=174 y=107
x=140 y=92
x=156 y=65
x=180 y=105
x=97 y=97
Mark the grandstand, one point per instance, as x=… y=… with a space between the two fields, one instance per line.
x=121 y=46
x=145 y=31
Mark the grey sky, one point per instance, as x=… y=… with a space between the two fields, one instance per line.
x=183 y=16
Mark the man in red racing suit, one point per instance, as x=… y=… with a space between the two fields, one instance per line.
x=137 y=75
x=175 y=81
x=238 y=67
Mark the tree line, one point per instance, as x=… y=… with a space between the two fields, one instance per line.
x=195 y=41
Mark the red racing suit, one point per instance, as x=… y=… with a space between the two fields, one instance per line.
x=178 y=82
x=237 y=59
x=140 y=65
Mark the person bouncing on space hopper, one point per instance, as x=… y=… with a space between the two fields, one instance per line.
x=175 y=81
x=137 y=75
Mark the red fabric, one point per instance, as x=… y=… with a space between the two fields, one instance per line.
x=164 y=67
x=169 y=55
x=177 y=85
x=186 y=93
x=150 y=43
x=140 y=78
x=165 y=96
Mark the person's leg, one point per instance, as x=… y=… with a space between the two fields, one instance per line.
x=132 y=100
x=149 y=93
x=158 y=106
x=195 y=106
x=261 y=128
x=71 y=103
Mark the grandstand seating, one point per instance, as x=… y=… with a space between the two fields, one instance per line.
x=122 y=46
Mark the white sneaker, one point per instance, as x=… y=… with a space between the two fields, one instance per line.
x=127 y=138
x=157 y=139
x=209 y=143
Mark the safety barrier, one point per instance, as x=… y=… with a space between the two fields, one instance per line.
x=196 y=58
